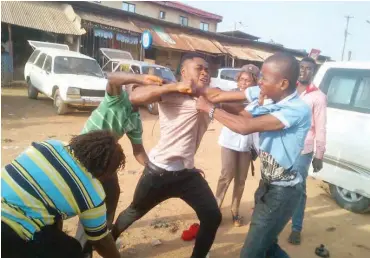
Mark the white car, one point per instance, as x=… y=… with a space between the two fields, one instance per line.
x=225 y=79
x=69 y=78
x=347 y=157
x=118 y=60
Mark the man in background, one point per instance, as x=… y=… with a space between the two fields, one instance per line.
x=316 y=136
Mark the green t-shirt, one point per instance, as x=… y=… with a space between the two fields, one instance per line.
x=116 y=113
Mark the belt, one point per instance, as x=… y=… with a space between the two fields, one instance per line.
x=154 y=169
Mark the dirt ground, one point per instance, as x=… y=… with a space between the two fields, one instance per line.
x=345 y=234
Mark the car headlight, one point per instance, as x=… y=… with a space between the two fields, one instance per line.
x=73 y=92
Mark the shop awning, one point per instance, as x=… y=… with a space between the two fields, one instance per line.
x=46 y=16
x=198 y=43
x=164 y=37
x=121 y=23
x=246 y=52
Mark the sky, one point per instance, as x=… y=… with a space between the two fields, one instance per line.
x=299 y=24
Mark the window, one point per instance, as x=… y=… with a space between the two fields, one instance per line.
x=347 y=89
x=135 y=69
x=229 y=75
x=77 y=65
x=33 y=57
x=128 y=7
x=162 y=72
x=183 y=21
x=47 y=64
x=40 y=60
x=162 y=15
x=204 y=26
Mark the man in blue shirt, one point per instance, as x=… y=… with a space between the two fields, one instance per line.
x=283 y=124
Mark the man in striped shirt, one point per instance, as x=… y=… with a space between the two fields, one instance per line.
x=52 y=181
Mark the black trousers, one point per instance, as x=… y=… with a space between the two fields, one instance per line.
x=47 y=243
x=157 y=185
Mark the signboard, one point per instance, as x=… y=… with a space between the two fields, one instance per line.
x=314 y=53
x=146 y=39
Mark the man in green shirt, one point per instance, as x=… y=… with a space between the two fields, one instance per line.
x=116 y=113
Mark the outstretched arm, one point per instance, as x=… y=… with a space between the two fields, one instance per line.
x=149 y=94
x=117 y=79
x=216 y=95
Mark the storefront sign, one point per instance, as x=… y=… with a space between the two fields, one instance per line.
x=127 y=39
x=147 y=39
x=103 y=34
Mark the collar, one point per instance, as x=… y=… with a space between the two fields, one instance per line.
x=287 y=98
x=310 y=88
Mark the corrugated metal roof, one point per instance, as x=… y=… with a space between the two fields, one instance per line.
x=246 y=53
x=201 y=44
x=46 y=16
x=164 y=37
x=124 y=24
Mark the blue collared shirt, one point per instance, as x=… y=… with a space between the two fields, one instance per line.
x=280 y=149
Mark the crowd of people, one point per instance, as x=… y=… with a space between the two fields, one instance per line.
x=281 y=121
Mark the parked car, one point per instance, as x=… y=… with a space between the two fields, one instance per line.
x=71 y=79
x=225 y=79
x=347 y=158
x=118 y=60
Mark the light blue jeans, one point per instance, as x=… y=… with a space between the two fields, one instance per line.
x=302 y=165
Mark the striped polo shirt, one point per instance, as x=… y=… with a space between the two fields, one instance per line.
x=46 y=183
x=116 y=113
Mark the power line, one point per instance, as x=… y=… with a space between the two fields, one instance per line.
x=346 y=33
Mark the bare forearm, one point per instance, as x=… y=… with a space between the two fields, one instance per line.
x=141 y=157
x=215 y=95
x=236 y=123
x=233 y=108
x=106 y=247
x=122 y=78
x=148 y=94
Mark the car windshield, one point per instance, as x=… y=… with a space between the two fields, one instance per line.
x=162 y=72
x=76 y=65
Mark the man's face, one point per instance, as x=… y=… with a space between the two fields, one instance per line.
x=306 y=72
x=196 y=70
x=271 y=82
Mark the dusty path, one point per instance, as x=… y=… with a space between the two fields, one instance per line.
x=344 y=233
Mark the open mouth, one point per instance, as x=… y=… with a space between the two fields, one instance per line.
x=204 y=80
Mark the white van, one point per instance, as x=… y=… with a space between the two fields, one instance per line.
x=347 y=158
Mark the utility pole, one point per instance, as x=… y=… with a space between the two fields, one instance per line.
x=346 y=34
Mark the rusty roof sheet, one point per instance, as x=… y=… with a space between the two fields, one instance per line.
x=203 y=44
x=46 y=16
x=164 y=37
x=246 y=52
x=121 y=23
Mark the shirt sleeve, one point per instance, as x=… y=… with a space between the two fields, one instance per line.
x=319 y=117
x=136 y=135
x=291 y=115
x=113 y=100
x=252 y=93
x=94 y=222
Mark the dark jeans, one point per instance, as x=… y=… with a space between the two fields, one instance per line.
x=157 y=185
x=302 y=165
x=273 y=209
x=47 y=243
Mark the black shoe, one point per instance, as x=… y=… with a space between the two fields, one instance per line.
x=295 y=238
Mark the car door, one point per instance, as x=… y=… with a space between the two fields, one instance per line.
x=348 y=117
x=47 y=76
x=36 y=74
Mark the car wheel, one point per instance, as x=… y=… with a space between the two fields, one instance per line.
x=153 y=108
x=349 y=200
x=32 y=91
x=61 y=107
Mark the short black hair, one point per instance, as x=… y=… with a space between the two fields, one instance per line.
x=190 y=56
x=309 y=60
x=98 y=151
x=288 y=65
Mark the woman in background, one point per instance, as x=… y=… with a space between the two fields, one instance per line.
x=236 y=152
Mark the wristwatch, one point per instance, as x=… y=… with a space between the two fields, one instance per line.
x=211 y=113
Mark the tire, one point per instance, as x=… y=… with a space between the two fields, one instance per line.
x=153 y=108
x=349 y=200
x=32 y=91
x=61 y=107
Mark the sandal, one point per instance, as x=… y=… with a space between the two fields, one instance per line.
x=237 y=220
